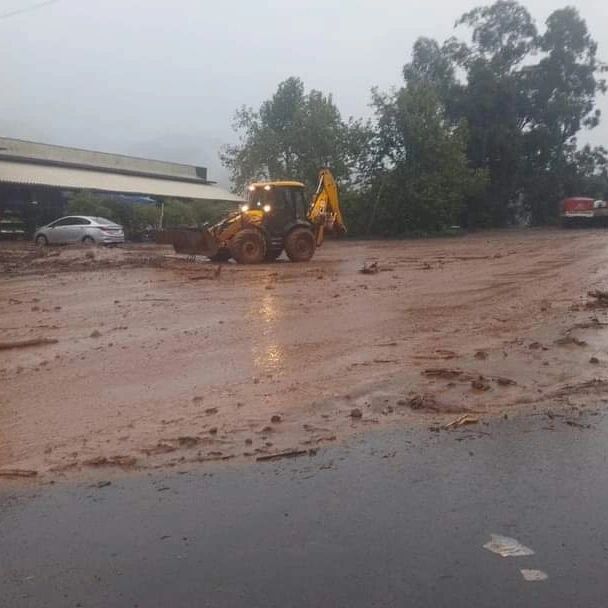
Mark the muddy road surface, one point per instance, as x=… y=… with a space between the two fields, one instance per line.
x=135 y=358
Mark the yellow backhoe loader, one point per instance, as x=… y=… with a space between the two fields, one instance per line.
x=274 y=218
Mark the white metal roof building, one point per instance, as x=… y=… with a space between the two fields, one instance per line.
x=33 y=164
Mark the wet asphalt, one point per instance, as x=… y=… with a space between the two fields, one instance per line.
x=392 y=518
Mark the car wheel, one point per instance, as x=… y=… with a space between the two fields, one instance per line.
x=88 y=240
x=41 y=240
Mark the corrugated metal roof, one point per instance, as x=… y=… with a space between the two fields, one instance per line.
x=84 y=179
x=47 y=154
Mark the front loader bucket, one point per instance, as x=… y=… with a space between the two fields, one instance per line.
x=191 y=241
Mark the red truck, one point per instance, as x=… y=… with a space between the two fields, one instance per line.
x=583 y=211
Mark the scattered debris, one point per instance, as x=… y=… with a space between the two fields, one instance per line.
x=502 y=381
x=600 y=299
x=594 y=360
x=115 y=461
x=18 y=473
x=289 y=454
x=480 y=384
x=159 y=448
x=567 y=340
x=429 y=403
x=447 y=374
x=438 y=354
x=534 y=575
x=95 y=334
x=536 y=346
x=188 y=441
x=481 y=355
x=506 y=546
x=356 y=413
x=25 y=343
x=370 y=268
x=576 y=424
x=102 y=484
x=593 y=323
x=462 y=421
x=275 y=419
x=593 y=385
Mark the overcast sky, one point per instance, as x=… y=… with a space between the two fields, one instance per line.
x=162 y=78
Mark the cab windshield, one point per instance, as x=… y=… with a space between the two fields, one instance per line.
x=280 y=198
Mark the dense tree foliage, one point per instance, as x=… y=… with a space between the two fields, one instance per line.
x=420 y=176
x=482 y=132
x=292 y=135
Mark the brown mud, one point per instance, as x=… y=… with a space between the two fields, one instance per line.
x=134 y=358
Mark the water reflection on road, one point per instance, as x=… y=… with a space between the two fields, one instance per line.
x=268 y=353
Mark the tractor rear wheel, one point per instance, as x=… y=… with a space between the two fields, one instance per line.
x=248 y=246
x=300 y=245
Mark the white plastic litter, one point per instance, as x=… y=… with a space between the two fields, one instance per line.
x=534 y=575
x=507 y=547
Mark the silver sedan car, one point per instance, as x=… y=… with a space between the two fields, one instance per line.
x=80 y=229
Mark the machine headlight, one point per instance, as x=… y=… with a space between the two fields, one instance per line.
x=244 y=208
x=267 y=187
x=266 y=208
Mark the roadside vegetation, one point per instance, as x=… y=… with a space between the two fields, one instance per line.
x=481 y=132
x=136 y=217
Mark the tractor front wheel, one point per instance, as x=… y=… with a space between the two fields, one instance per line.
x=248 y=246
x=300 y=245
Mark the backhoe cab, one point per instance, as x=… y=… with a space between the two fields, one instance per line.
x=275 y=217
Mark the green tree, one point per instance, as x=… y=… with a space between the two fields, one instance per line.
x=421 y=174
x=562 y=89
x=484 y=132
x=493 y=103
x=503 y=34
x=523 y=114
x=291 y=136
x=432 y=65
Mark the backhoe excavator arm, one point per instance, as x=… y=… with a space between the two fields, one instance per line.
x=325 y=213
